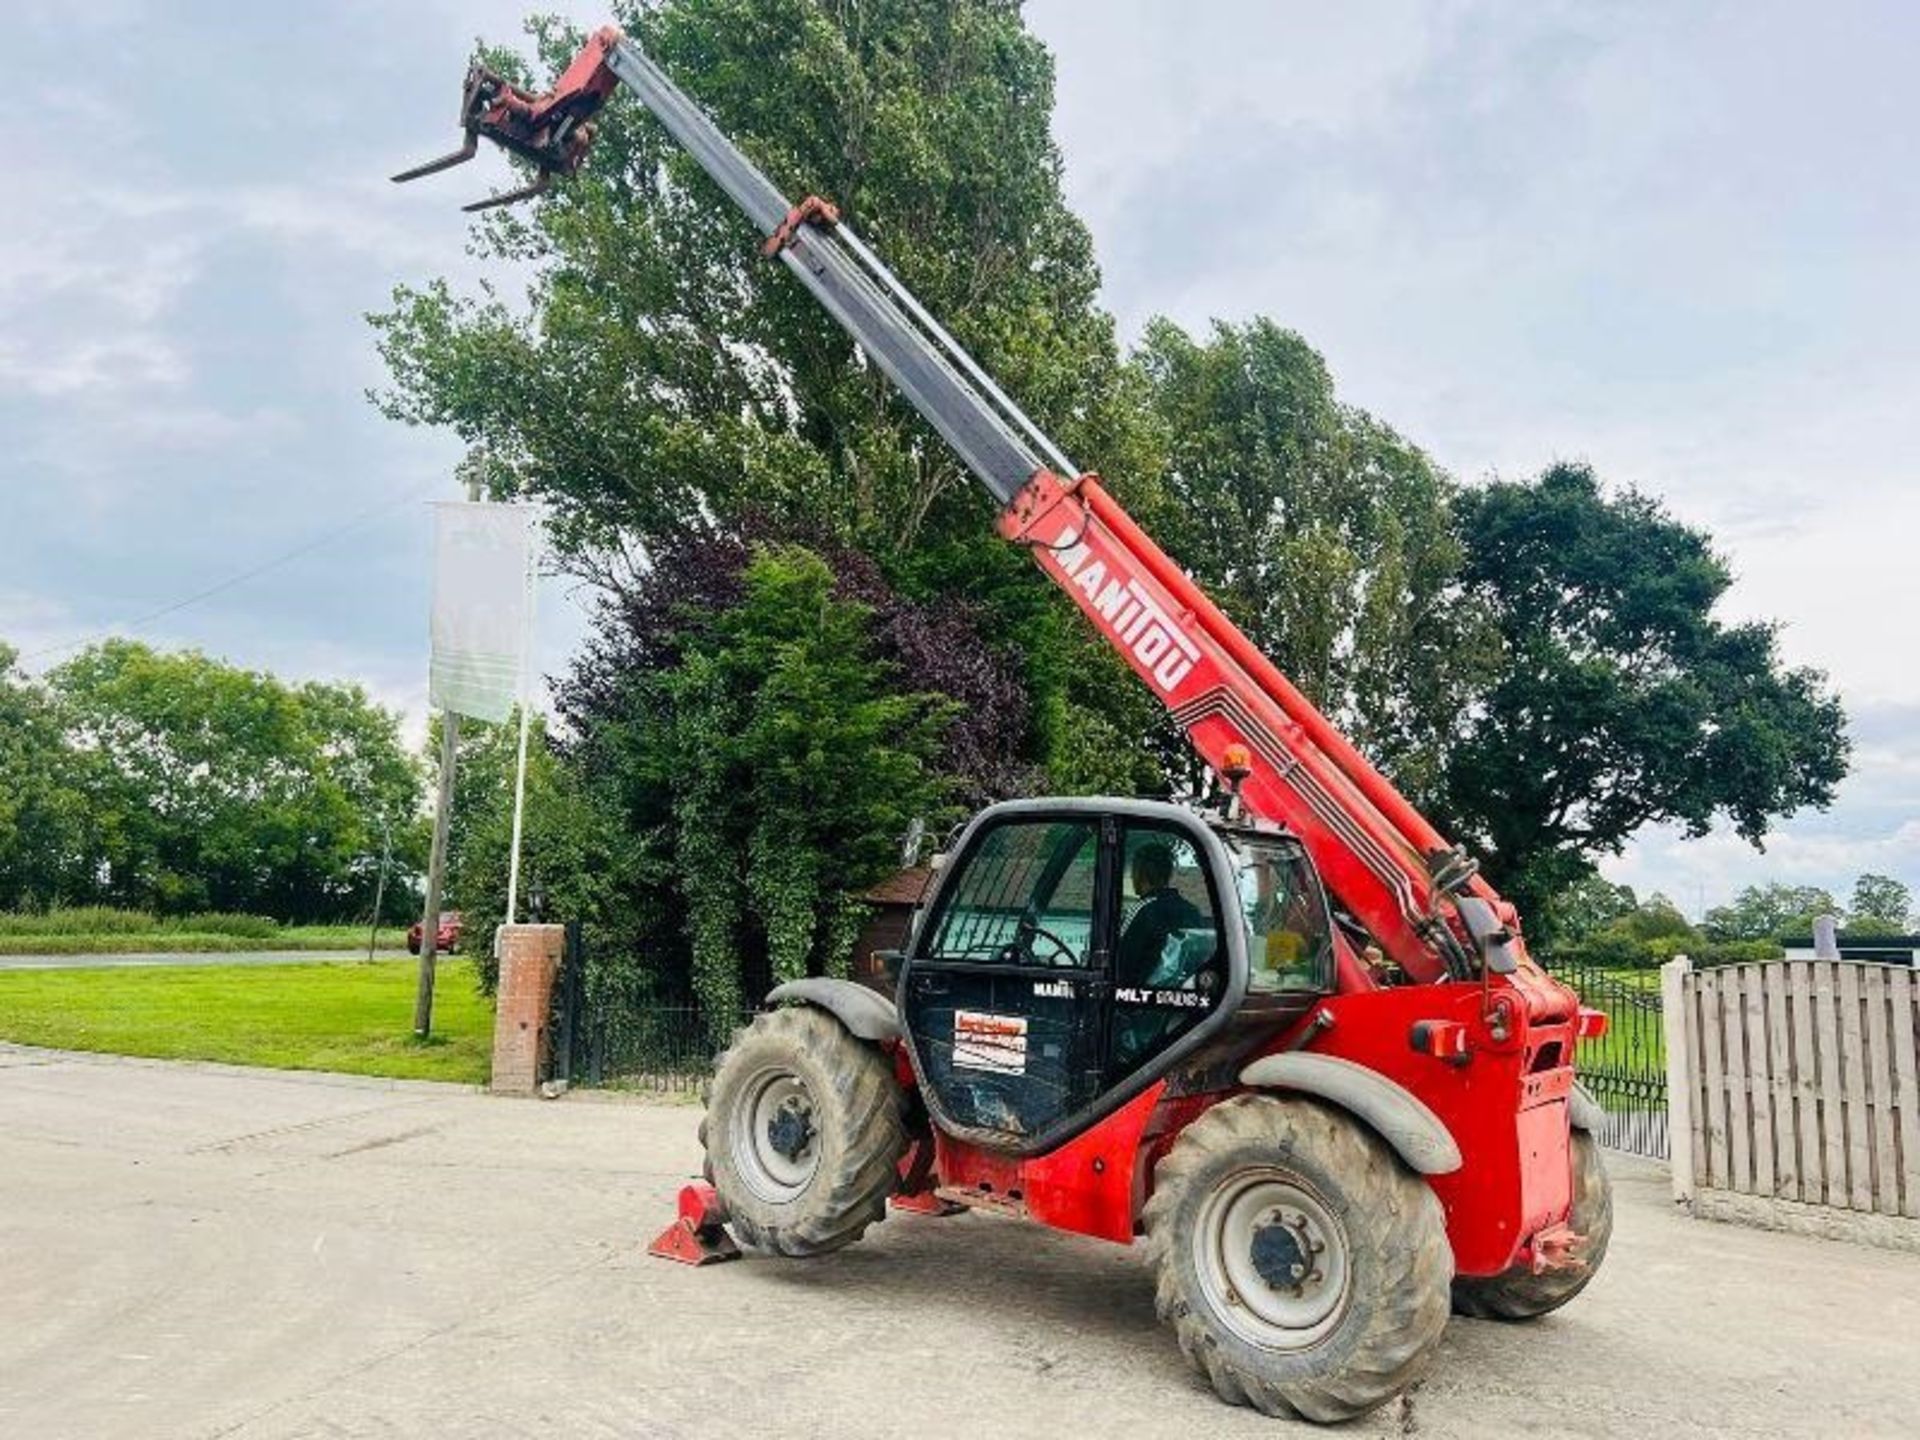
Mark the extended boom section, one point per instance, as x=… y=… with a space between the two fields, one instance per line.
x=1183 y=647
x=1477 y=1050
x=1380 y=858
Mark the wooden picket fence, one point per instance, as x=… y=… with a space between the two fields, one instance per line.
x=1795 y=1080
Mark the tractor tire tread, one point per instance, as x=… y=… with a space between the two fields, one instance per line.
x=1519 y=1294
x=860 y=1107
x=1389 y=1212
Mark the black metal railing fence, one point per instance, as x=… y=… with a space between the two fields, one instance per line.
x=670 y=1048
x=666 y=1047
x=1626 y=1069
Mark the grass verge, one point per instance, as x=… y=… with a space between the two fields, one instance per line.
x=192 y=942
x=351 y=1018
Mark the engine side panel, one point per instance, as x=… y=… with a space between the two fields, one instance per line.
x=1505 y=1106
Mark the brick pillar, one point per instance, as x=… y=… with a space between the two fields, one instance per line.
x=529 y=961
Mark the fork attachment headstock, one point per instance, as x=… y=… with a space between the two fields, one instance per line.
x=553 y=131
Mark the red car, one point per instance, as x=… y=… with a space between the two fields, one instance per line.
x=445 y=939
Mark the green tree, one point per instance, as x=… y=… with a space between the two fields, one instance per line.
x=1768 y=912
x=358 y=748
x=1327 y=537
x=664 y=374
x=1881 y=906
x=765 y=768
x=1536 y=662
x=1621 y=700
x=1590 y=904
x=44 y=859
x=571 y=849
x=210 y=786
x=666 y=369
x=1639 y=934
x=1655 y=918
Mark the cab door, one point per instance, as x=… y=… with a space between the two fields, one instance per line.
x=1004 y=995
x=1169 y=953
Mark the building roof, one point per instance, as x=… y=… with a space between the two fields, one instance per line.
x=904 y=887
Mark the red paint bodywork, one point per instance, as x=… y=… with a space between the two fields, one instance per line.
x=1087 y=1185
x=1494 y=1058
x=1505 y=1106
x=698 y=1234
x=529 y=124
x=446 y=935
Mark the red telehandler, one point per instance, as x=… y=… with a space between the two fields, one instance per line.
x=1293 y=1039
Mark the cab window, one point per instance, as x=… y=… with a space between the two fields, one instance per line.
x=1025 y=898
x=1289 y=938
x=1169 y=965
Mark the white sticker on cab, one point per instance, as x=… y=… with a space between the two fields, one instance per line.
x=990 y=1042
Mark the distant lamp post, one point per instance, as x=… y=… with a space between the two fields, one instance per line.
x=537 y=904
x=1826 y=938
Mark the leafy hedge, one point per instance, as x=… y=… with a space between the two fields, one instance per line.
x=1618 y=949
x=749 y=733
x=108 y=920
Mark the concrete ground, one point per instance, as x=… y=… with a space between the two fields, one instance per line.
x=144 y=959
x=195 y=1251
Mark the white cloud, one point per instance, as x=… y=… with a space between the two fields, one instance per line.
x=1674 y=241
x=98 y=367
x=30 y=623
x=1700 y=874
x=82 y=312
x=1872 y=827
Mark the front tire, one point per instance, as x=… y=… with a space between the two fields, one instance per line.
x=1519 y=1294
x=1303 y=1267
x=803 y=1133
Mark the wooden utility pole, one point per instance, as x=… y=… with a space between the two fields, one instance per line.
x=437 y=858
x=380 y=885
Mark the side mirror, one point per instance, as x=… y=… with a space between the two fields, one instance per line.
x=1493 y=940
x=890 y=962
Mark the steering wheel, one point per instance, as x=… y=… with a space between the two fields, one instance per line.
x=1030 y=929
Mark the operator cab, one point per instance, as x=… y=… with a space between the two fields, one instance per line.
x=1076 y=950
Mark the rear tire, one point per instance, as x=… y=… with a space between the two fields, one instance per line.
x=1303 y=1267
x=803 y=1133
x=1519 y=1294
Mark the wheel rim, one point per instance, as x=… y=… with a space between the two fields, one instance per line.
x=1273 y=1260
x=775 y=1142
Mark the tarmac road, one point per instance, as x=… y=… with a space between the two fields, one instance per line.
x=200 y=1251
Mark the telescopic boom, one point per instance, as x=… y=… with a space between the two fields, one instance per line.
x=1419 y=896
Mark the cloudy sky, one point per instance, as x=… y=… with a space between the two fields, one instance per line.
x=1675 y=240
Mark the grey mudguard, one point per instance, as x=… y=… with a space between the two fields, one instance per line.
x=1399 y=1117
x=866 y=1013
x=1583 y=1110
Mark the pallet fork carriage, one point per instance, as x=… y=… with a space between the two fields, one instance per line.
x=1339 y=1092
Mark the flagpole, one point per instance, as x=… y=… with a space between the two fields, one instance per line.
x=520 y=767
x=442 y=823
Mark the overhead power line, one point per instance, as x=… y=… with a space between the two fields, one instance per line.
x=364 y=518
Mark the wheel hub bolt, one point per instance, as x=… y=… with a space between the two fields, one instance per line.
x=790 y=1129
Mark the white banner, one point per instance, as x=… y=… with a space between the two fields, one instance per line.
x=482 y=590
